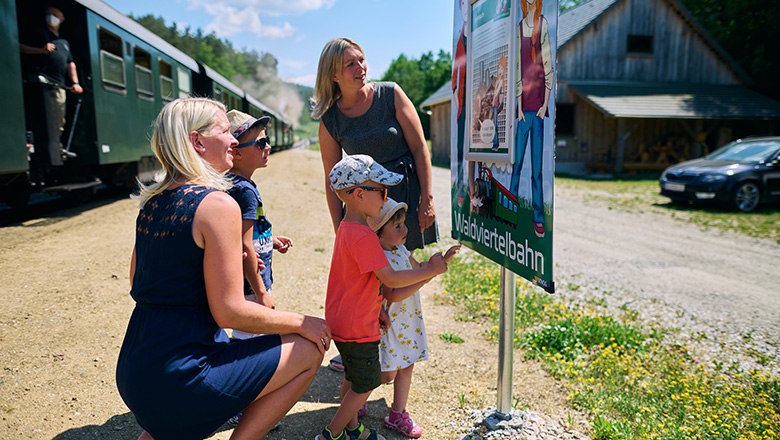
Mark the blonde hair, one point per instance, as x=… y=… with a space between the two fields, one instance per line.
x=326 y=91
x=537 y=24
x=172 y=147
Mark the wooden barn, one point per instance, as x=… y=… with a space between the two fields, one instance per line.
x=640 y=85
x=438 y=106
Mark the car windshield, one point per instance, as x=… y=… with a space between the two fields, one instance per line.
x=746 y=151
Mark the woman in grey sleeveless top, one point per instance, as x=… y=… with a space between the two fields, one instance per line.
x=379 y=120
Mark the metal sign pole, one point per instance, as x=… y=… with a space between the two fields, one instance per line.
x=506 y=333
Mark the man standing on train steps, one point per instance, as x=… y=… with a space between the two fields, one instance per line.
x=54 y=67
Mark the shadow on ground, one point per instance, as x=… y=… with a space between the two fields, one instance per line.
x=52 y=209
x=300 y=425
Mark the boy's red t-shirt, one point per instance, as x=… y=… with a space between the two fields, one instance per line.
x=353 y=299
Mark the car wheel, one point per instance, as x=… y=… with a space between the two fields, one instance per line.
x=746 y=196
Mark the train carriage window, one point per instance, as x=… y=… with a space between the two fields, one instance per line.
x=144 y=81
x=184 y=83
x=166 y=81
x=221 y=95
x=112 y=65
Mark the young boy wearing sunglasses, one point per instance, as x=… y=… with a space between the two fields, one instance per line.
x=354 y=300
x=249 y=155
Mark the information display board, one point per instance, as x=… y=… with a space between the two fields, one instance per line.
x=502 y=138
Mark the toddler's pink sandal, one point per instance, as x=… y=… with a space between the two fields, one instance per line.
x=401 y=422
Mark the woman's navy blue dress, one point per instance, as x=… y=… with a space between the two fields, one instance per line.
x=178 y=371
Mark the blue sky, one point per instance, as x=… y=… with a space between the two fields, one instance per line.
x=294 y=31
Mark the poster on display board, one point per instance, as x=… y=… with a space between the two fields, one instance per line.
x=502 y=138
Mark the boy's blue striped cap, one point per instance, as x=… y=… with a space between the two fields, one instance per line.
x=240 y=122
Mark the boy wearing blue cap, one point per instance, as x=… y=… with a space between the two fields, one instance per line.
x=249 y=155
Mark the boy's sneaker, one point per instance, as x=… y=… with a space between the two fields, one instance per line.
x=363 y=433
x=335 y=364
x=326 y=435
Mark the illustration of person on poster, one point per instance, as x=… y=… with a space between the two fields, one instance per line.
x=533 y=86
x=459 y=85
x=498 y=98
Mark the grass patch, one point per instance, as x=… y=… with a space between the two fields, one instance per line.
x=451 y=338
x=641 y=196
x=618 y=370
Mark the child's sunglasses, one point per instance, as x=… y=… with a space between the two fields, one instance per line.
x=259 y=143
x=382 y=189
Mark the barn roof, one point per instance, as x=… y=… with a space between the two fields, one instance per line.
x=440 y=96
x=573 y=21
x=675 y=100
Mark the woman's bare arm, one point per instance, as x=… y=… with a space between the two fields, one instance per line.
x=407 y=116
x=330 y=152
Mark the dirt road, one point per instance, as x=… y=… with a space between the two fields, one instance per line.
x=64 y=285
x=722 y=290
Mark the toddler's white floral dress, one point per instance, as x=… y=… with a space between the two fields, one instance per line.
x=405 y=341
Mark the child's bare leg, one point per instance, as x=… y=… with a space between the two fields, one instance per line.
x=298 y=364
x=388 y=376
x=345 y=386
x=401 y=387
x=145 y=436
x=346 y=415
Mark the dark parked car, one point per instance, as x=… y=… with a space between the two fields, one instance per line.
x=741 y=175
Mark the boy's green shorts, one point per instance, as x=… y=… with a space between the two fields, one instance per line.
x=361 y=364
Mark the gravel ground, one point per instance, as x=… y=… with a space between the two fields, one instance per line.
x=721 y=291
x=65 y=308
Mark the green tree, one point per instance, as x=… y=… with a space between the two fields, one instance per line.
x=420 y=78
x=748 y=30
x=218 y=54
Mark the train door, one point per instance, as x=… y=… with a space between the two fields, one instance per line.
x=13 y=143
x=63 y=156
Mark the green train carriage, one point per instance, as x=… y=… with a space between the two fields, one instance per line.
x=279 y=131
x=128 y=74
x=498 y=201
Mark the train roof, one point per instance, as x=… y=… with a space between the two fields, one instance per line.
x=221 y=80
x=139 y=31
x=252 y=100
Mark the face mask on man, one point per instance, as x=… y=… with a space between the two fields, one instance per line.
x=52 y=20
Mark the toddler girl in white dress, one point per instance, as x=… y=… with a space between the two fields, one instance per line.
x=404 y=341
